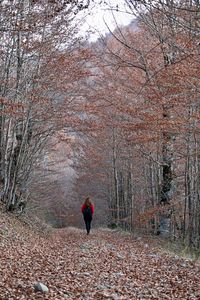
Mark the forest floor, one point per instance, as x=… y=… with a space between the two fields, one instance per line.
x=104 y=265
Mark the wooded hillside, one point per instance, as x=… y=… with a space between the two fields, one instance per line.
x=144 y=97
x=125 y=111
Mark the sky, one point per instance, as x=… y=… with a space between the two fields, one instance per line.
x=100 y=15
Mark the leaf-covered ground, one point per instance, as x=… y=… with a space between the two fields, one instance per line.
x=103 y=265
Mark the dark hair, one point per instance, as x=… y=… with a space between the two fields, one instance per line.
x=88 y=202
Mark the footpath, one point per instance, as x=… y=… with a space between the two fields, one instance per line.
x=104 y=265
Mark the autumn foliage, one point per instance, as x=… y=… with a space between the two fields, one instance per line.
x=145 y=152
x=125 y=112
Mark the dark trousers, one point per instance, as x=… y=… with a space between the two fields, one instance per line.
x=88 y=224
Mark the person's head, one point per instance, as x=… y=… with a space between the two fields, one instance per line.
x=87 y=201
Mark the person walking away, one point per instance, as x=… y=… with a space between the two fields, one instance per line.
x=87 y=211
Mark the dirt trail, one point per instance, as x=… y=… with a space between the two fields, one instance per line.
x=103 y=265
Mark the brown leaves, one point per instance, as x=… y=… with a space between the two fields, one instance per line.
x=105 y=265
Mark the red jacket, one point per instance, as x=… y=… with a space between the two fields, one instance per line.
x=84 y=206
